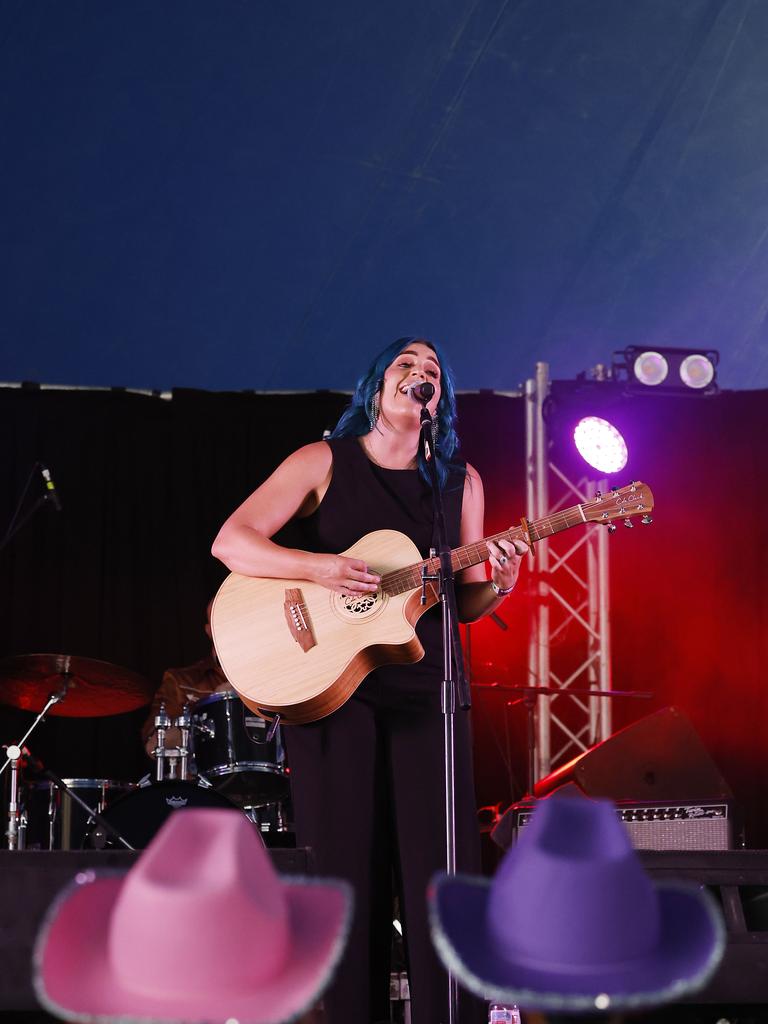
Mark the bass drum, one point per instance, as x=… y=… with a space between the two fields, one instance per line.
x=139 y=816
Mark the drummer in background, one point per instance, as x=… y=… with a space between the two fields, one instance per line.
x=182 y=686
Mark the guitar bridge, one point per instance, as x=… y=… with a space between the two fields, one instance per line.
x=297 y=617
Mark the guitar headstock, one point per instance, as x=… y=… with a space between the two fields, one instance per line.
x=636 y=499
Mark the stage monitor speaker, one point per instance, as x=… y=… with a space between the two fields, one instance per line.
x=30 y=879
x=656 y=760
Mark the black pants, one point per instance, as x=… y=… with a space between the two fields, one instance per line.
x=368 y=796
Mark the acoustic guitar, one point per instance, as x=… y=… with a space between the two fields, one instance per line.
x=298 y=649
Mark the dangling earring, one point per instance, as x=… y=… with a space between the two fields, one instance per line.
x=435 y=429
x=374 y=405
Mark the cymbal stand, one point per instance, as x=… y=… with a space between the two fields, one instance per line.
x=12 y=832
x=13 y=756
x=53 y=699
x=14 y=750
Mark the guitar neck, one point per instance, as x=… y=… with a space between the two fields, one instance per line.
x=409 y=577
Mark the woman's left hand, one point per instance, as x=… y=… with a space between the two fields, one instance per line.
x=505 y=558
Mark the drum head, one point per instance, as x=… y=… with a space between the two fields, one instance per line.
x=139 y=815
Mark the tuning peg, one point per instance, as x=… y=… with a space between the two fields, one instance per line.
x=598 y=495
x=614 y=489
x=628 y=523
x=612 y=528
x=646 y=520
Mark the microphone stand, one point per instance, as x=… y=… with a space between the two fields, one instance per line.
x=454 y=677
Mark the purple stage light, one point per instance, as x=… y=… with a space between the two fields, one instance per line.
x=651 y=368
x=600 y=444
x=696 y=371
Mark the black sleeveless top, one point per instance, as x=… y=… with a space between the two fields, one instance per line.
x=363 y=497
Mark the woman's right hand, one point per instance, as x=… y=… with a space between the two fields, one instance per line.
x=344 y=575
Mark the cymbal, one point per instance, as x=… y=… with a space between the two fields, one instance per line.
x=93 y=688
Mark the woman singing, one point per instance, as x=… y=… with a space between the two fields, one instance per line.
x=368 y=779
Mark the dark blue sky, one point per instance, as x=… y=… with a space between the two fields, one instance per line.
x=252 y=195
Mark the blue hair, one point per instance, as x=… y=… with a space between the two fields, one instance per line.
x=355 y=421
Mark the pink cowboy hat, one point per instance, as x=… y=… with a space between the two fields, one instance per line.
x=201 y=929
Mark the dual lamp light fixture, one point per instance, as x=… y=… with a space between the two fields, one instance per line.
x=670 y=371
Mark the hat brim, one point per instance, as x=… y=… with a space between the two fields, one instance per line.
x=74 y=978
x=690 y=946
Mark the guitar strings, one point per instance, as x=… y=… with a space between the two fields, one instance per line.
x=406 y=574
x=408 y=577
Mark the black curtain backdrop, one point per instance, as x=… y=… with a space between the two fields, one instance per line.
x=124 y=572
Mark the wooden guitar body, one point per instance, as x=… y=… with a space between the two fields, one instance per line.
x=255 y=632
x=298 y=649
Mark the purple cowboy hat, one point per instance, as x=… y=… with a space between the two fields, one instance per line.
x=201 y=929
x=571 y=921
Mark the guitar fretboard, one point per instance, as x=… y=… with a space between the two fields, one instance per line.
x=409 y=577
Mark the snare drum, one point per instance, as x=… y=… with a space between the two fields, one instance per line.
x=230 y=748
x=50 y=820
x=139 y=815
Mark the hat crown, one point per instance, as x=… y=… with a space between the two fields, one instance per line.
x=206 y=882
x=572 y=892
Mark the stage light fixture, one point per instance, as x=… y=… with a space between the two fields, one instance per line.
x=600 y=444
x=697 y=371
x=651 y=368
x=679 y=371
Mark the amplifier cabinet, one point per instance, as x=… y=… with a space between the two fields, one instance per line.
x=689 y=826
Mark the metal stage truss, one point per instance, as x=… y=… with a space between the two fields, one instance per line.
x=569 y=632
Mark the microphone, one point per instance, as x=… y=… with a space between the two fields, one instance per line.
x=422 y=391
x=51 y=493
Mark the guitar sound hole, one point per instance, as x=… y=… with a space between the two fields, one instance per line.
x=359 y=604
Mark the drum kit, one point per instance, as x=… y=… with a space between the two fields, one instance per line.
x=225 y=758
